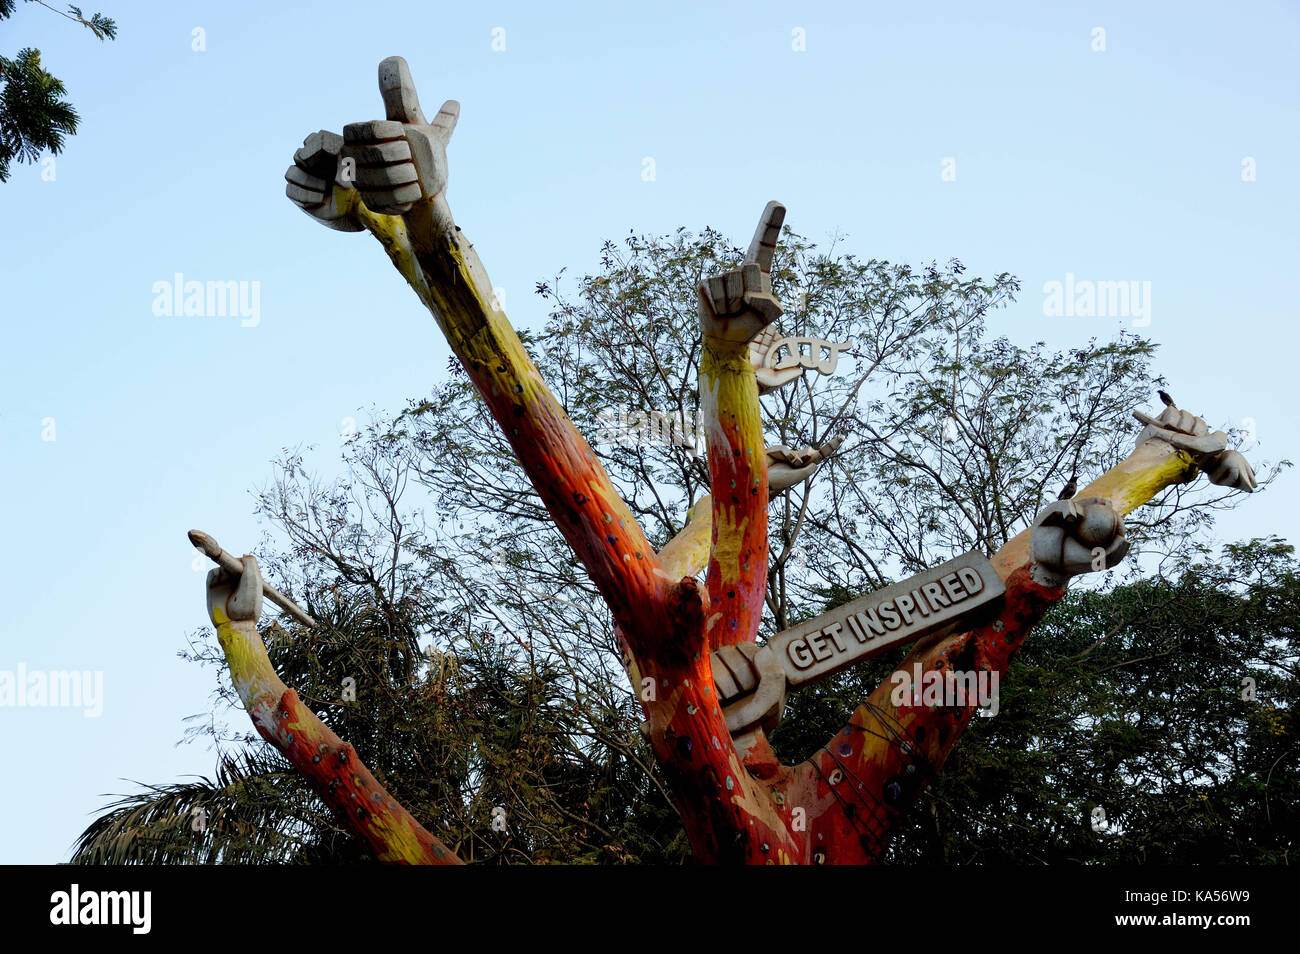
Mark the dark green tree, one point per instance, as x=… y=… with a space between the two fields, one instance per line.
x=34 y=116
x=487 y=678
x=1169 y=703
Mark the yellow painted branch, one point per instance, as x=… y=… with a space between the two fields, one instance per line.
x=328 y=763
x=892 y=749
x=444 y=270
x=1153 y=466
x=737 y=575
x=688 y=553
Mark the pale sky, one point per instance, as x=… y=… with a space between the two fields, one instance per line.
x=1014 y=136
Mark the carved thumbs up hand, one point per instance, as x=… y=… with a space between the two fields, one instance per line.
x=402 y=160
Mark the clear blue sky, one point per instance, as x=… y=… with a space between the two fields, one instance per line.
x=1117 y=165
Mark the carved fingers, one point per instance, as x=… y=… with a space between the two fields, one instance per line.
x=386 y=175
x=751 y=686
x=403 y=158
x=238 y=598
x=738 y=304
x=1070 y=537
x=1183 y=429
x=1190 y=433
x=787 y=466
x=770 y=377
x=316 y=179
x=1230 y=469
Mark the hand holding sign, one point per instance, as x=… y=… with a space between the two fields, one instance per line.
x=751 y=681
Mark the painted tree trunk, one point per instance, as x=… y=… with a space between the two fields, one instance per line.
x=330 y=765
x=839 y=806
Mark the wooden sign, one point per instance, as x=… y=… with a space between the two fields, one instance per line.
x=898 y=613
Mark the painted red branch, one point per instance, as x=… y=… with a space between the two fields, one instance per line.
x=866 y=776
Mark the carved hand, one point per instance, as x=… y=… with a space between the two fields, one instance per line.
x=787 y=466
x=770 y=378
x=1070 y=537
x=237 y=600
x=737 y=305
x=1190 y=433
x=402 y=160
x=316 y=183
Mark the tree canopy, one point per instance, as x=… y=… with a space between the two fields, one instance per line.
x=486 y=676
x=34 y=115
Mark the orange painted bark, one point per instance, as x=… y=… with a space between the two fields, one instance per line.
x=865 y=777
x=344 y=783
x=363 y=806
x=838 y=806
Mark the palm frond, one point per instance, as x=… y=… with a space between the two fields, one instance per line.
x=255 y=810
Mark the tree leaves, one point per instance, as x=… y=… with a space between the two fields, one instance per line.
x=34 y=116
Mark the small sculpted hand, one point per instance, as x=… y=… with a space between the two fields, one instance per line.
x=737 y=305
x=236 y=599
x=317 y=181
x=402 y=160
x=1230 y=469
x=787 y=466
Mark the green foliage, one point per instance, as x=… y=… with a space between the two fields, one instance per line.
x=452 y=734
x=487 y=670
x=257 y=805
x=1133 y=701
x=34 y=116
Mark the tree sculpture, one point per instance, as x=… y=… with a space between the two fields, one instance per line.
x=709 y=692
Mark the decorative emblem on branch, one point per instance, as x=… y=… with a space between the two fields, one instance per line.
x=775 y=370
